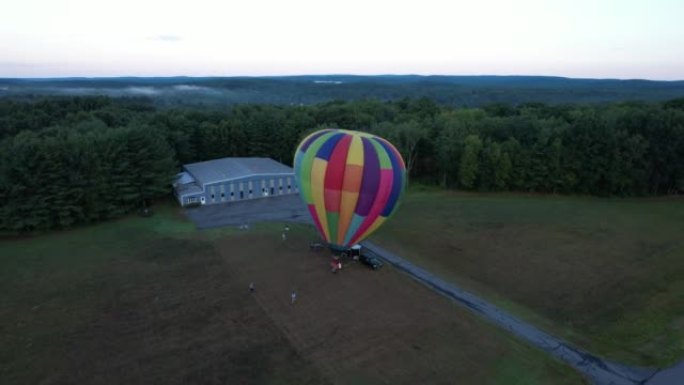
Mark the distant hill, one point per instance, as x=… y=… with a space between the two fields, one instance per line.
x=450 y=90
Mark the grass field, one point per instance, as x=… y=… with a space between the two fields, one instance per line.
x=152 y=301
x=608 y=274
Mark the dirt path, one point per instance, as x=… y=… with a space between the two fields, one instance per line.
x=598 y=370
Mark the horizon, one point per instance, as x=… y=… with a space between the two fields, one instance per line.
x=580 y=39
x=66 y=77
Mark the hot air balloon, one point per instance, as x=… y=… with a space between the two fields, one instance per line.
x=350 y=181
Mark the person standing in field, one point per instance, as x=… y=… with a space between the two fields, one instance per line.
x=284 y=236
x=293 y=297
x=251 y=287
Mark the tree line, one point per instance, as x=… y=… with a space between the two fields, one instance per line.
x=70 y=160
x=462 y=91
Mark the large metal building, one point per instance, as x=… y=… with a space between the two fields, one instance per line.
x=233 y=179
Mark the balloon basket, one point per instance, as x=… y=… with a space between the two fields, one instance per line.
x=337 y=249
x=345 y=252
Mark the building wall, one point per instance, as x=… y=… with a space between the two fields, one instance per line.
x=187 y=198
x=260 y=186
x=191 y=199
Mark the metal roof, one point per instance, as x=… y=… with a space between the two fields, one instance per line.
x=225 y=169
x=188 y=189
x=183 y=178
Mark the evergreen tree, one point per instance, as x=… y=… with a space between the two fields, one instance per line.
x=470 y=161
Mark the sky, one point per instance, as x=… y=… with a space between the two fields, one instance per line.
x=580 y=38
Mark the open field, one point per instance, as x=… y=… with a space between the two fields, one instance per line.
x=608 y=274
x=151 y=300
x=137 y=301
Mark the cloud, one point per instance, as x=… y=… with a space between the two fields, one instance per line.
x=19 y=64
x=186 y=87
x=141 y=90
x=167 y=38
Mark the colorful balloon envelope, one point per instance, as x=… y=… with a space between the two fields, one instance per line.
x=351 y=182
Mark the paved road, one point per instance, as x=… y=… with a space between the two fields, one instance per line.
x=670 y=376
x=598 y=370
x=291 y=209
x=283 y=208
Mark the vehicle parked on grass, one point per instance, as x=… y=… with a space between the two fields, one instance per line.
x=355 y=253
x=370 y=259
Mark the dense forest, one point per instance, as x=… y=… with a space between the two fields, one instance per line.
x=70 y=160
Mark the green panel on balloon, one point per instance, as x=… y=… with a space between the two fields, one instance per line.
x=333 y=219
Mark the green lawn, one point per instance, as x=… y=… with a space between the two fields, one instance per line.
x=153 y=301
x=134 y=301
x=608 y=274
